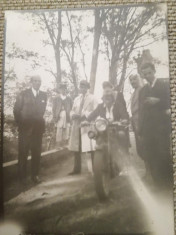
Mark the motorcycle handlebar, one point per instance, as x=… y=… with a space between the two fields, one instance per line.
x=85 y=123
x=116 y=123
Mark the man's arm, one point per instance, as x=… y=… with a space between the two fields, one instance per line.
x=120 y=102
x=54 y=108
x=70 y=102
x=94 y=114
x=45 y=102
x=93 y=105
x=73 y=114
x=164 y=95
x=18 y=107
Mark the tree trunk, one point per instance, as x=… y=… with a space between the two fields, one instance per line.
x=113 y=66
x=122 y=78
x=97 y=33
x=57 y=50
x=113 y=73
x=58 y=66
x=55 y=44
x=74 y=78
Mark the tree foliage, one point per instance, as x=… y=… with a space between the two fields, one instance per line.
x=117 y=32
x=128 y=29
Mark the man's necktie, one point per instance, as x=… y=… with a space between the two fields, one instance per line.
x=37 y=94
x=81 y=104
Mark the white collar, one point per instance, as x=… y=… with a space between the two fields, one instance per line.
x=109 y=113
x=63 y=97
x=104 y=105
x=35 y=92
x=87 y=93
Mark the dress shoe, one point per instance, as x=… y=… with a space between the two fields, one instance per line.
x=36 y=180
x=23 y=184
x=75 y=173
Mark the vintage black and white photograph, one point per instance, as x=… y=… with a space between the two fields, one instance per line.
x=86 y=121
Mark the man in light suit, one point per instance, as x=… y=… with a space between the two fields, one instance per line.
x=79 y=142
x=29 y=110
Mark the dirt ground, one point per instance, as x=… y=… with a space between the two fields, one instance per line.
x=69 y=204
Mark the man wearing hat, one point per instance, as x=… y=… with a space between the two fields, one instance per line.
x=113 y=108
x=61 y=115
x=79 y=142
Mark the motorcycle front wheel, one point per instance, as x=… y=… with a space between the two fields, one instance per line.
x=101 y=175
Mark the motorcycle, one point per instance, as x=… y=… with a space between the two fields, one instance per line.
x=108 y=154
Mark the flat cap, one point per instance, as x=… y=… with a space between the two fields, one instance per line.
x=62 y=85
x=84 y=83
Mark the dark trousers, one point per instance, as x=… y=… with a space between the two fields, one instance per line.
x=29 y=141
x=157 y=155
x=77 y=157
x=77 y=162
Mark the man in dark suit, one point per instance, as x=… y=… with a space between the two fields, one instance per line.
x=155 y=125
x=29 y=110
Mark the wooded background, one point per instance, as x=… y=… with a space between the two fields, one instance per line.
x=95 y=44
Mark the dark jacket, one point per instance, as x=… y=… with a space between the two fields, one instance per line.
x=153 y=118
x=119 y=110
x=29 y=110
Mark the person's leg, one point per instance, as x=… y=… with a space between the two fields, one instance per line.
x=147 y=154
x=59 y=133
x=36 y=145
x=64 y=137
x=77 y=159
x=89 y=159
x=162 y=164
x=138 y=145
x=67 y=133
x=123 y=158
x=23 y=149
x=77 y=163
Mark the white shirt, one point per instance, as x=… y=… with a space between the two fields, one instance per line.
x=35 y=92
x=109 y=113
x=63 y=97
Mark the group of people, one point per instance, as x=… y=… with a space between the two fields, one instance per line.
x=150 y=120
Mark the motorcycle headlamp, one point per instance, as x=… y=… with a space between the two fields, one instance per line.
x=91 y=134
x=101 y=125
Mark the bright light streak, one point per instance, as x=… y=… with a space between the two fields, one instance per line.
x=10 y=228
x=160 y=212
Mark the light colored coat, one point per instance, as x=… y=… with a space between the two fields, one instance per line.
x=90 y=103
